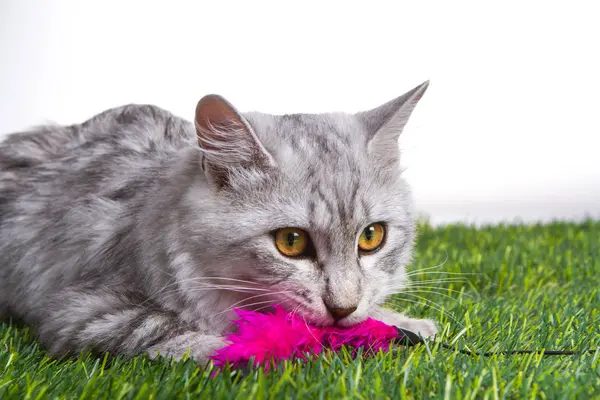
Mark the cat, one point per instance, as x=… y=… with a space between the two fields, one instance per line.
x=138 y=232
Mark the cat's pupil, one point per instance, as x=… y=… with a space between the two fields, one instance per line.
x=369 y=233
x=291 y=239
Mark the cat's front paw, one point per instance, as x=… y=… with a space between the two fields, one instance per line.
x=198 y=346
x=424 y=327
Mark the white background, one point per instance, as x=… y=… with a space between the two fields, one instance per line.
x=509 y=128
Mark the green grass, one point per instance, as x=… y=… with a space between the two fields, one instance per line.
x=521 y=287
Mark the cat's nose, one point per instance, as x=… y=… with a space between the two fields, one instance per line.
x=340 y=313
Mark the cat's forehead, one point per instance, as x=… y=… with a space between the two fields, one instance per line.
x=326 y=168
x=303 y=140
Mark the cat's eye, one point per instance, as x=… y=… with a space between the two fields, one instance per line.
x=371 y=238
x=291 y=242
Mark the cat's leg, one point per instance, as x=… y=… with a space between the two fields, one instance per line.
x=105 y=322
x=198 y=346
x=424 y=327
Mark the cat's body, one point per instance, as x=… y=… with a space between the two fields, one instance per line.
x=138 y=231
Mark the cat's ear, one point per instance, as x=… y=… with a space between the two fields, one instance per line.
x=385 y=123
x=227 y=140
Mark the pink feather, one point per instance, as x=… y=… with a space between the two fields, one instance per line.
x=283 y=336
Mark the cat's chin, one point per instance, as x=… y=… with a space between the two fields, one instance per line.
x=350 y=321
x=319 y=321
x=327 y=320
x=313 y=317
x=344 y=323
x=324 y=319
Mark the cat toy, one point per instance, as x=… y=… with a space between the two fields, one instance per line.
x=268 y=338
x=277 y=336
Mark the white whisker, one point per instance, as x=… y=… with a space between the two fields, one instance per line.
x=446 y=273
x=200 y=280
x=442 y=280
x=239 y=304
x=435 y=289
x=428 y=291
x=434 y=267
x=406 y=285
x=430 y=304
x=228 y=309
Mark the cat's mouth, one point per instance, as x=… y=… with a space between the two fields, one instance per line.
x=308 y=315
x=311 y=310
x=323 y=318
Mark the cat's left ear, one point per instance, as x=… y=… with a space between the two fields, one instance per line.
x=227 y=140
x=385 y=123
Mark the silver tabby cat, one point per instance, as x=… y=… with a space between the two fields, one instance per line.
x=138 y=231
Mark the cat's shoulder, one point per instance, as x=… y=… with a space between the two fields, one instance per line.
x=139 y=127
x=131 y=113
x=134 y=122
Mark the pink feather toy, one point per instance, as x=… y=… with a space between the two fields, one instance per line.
x=282 y=336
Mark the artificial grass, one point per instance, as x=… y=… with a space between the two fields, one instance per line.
x=503 y=287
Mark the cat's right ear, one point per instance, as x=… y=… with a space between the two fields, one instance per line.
x=385 y=123
x=227 y=140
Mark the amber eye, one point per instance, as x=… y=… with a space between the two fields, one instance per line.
x=371 y=237
x=291 y=242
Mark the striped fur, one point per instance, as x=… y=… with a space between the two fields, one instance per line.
x=113 y=236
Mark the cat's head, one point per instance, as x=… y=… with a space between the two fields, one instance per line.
x=311 y=207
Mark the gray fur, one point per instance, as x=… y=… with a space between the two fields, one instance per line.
x=135 y=232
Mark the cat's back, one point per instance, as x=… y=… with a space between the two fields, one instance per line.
x=130 y=128
x=104 y=152
x=66 y=191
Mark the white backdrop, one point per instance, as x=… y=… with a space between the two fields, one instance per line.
x=509 y=128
